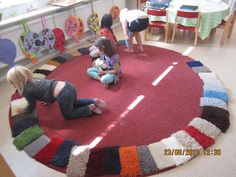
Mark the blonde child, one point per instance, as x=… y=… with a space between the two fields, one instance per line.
x=133 y=22
x=49 y=91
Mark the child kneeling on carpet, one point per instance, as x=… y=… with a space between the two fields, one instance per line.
x=106 y=31
x=107 y=68
x=49 y=91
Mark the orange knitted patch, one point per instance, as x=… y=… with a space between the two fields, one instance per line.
x=54 y=63
x=129 y=161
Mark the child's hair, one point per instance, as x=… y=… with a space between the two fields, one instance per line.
x=106 y=21
x=18 y=76
x=106 y=46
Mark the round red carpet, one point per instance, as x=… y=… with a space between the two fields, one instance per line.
x=160 y=110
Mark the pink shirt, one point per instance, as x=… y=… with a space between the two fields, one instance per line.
x=107 y=33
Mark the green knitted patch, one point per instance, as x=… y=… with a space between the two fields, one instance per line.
x=27 y=136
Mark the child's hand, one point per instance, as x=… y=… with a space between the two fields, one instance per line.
x=100 y=71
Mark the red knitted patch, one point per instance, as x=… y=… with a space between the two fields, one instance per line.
x=129 y=161
x=46 y=154
x=201 y=138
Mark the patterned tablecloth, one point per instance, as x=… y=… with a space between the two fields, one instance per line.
x=212 y=13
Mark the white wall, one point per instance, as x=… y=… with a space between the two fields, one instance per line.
x=100 y=6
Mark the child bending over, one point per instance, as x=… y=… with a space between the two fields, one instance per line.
x=106 y=31
x=49 y=91
x=109 y=70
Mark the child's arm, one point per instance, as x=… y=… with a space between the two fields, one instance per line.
x=31 y=104
x=124 y=27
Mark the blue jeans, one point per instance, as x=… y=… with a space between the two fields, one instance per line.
x=105 y=79
x=70 y=106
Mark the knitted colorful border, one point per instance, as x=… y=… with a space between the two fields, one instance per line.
x=173 y=151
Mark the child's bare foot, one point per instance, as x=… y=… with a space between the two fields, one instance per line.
x=99 y=103
x=129 y=50
x=141 y=49
x=95 y=109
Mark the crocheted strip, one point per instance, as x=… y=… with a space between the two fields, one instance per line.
x=18 y=117
x=205 y=76
x=206 y=101
x=96 y=161
x=162 y=160
x=65 y=56
x=39 y=76
x=17 y=104
x=112 y=160
x=34 y=147
x=201 y=138
x=194 y=63
x=215 y=88
x=201 y=69
x=172 y=144
x=129 y=161
x=42 y=71
x=62 y=155
x=27 y=136
x=146 y=161
x=216 y=94
x=215 y=112
x=47 y=153
x=54 y=63
x=84 y=50
x=217 y=116
x=59 y=59
x=78 y=161
x=205 y=127
x=213 y=83
x=186 y=140
x=21 y=124
x=47 y=67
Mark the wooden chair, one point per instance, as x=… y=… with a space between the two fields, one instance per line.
x=187 y=14
x=139 y=3
x=227 y=27
x=158 y=24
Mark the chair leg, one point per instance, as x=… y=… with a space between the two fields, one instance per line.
x=166 y=33
x=230 y=30
x=213 y=31
x=224 y=36
x=196 y=36
x=173 y=35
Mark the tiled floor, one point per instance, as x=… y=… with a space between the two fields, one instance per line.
x=220 y=60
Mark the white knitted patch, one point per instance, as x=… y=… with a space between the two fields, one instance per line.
x=215 y=102
x=205 y=76
x=48 y=67
x=78 y=161
x=179 y=151
x=205 y=127
x=38 y=75
x=213 y=83
x=162 y=160
x=187 y=141
x=21 y=103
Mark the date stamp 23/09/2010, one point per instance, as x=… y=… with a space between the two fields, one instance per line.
x=192 y=152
